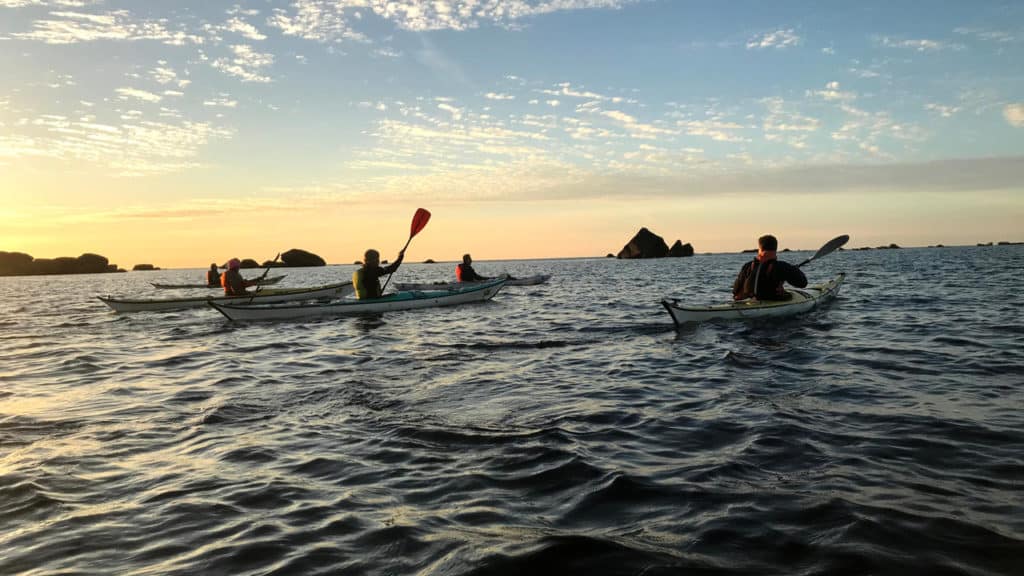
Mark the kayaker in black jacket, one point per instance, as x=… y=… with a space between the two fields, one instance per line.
x=212 y=276
x=464 y=272
x=366 y=280
x=763 y=277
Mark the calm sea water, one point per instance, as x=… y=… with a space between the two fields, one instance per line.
x=563 y=429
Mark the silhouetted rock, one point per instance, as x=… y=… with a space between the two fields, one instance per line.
x=984 y=244
x=249 y=263
x=20 y=264
x=91 y=264
x=680 y=250
x=12 y=263
x=144 y=267
x=429 y=261
x=297 y=257
x=749 y=251
x=610 y=255
x=645 y=244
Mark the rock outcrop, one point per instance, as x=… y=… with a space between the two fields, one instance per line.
x=144 y=267
x=249 y=263
x=21 y=264
x=645 y=244
x=297 y=257
x=680 y=250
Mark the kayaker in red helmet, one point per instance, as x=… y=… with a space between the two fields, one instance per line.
x=764 y=276
x=232 y=281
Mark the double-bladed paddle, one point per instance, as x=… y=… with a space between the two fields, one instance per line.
x=260 y=279
x=419 y=221
x=829 y=247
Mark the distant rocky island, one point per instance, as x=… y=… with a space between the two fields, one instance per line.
x=647 y=244
x=294 y=258
x=21 y=264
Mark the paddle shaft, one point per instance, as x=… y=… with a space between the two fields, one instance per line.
x=419 y=222
x=402 y=251
x=264 y=275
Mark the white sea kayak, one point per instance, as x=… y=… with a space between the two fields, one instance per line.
x=403 y=300
x=261 y=297
x=524 y=281
x=264 y=282
x=803 y=300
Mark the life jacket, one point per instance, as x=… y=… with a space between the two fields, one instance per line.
x=228 y=291
x=363 y=287
x=212 y=278
x=458 y=273
x=761 y=283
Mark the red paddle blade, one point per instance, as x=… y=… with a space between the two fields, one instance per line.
x=419 y=220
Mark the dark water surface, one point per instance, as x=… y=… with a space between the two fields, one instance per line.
x=563 y=429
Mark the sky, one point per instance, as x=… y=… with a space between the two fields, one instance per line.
x=184 y=132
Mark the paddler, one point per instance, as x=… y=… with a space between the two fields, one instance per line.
x=464 y=272
x=232 y=281
x=366 y=280
x=213 y=276
x=763 y=277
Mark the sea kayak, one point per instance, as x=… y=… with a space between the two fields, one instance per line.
x=402 y=300
x=261 y=297
x=264 y=282
x=524 y=281
x=803 y=299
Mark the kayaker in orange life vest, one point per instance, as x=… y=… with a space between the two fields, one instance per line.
x=212 y=276
x=763 y=277
x=464 y=272
x=366 y=280
x=232 y=281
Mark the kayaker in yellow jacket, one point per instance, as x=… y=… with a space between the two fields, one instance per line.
x=764 y=276
x=366 y=280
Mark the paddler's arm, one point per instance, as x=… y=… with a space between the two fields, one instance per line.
x=794 y=275
x=390 y=268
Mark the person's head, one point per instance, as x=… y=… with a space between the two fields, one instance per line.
x=234 y=264
x=467 y=259
x=371 y=258
x=213 y=266
x=767 y=243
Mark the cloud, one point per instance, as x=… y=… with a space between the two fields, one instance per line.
x=496 y=96
x=137 y=94
x=75 y=27
x=718 y=130
x=998 y=36
x=1014 y=114
x=942 y=110
x=135 y=148
x=332 y=20
x=919 y=45
x=243 y=29
x=777 y=39
x=832 y=93
x=222 y=101
x=246 y=64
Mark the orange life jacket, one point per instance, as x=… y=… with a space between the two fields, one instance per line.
x=458 y=272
